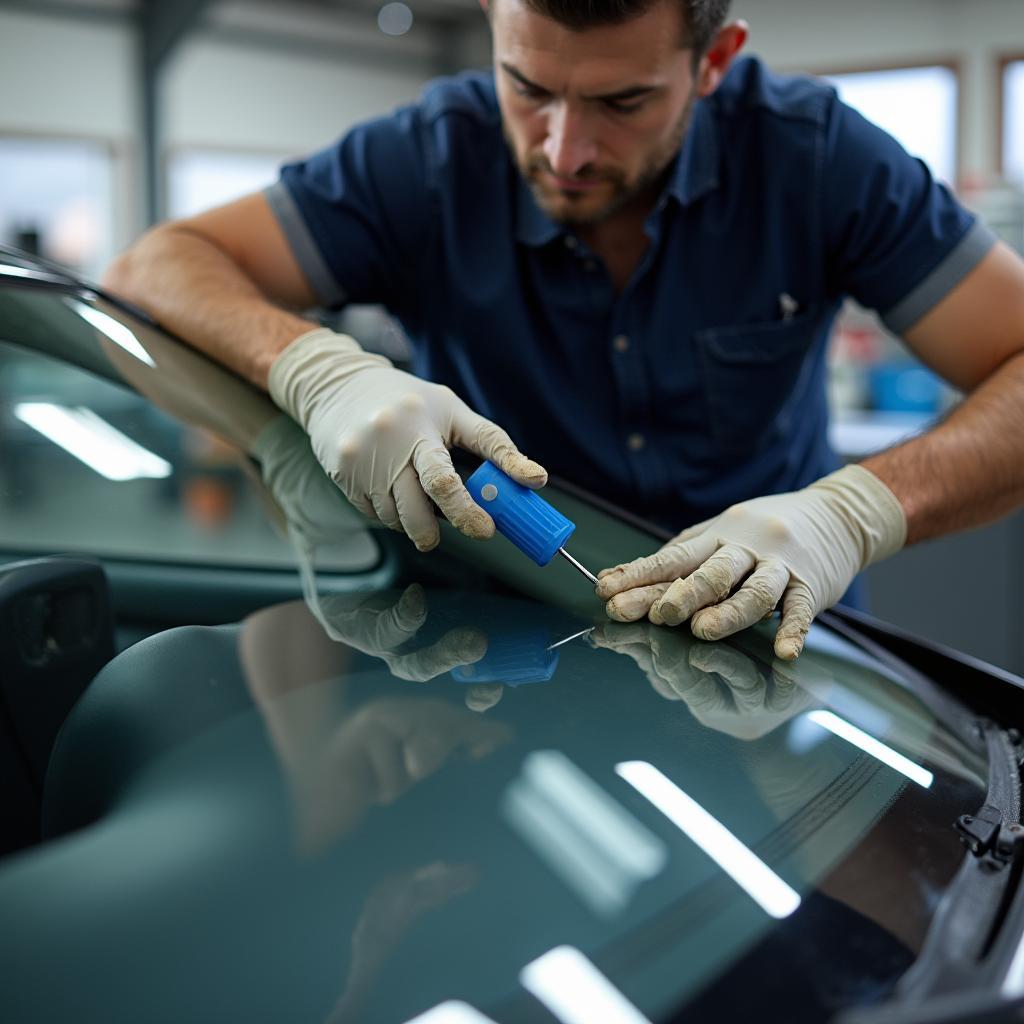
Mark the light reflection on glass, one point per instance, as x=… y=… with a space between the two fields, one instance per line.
x=90 y=439
x=738 y=861
x=113 y=329
x=844 y=730
x=590 y=841
x=451 y=1012
x=1013 y=982
x=575 y=991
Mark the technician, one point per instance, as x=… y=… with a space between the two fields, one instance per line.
x=625 y=247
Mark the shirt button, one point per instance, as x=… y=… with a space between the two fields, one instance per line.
x=636 y=442
x=621 y=343
x=570 y=242
x=590 y=265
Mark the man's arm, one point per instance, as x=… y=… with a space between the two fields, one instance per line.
x=226 y=281
x=223 y=280
x=969 y=470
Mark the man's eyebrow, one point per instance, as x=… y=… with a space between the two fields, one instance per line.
x=520 y=77
x=631 y=92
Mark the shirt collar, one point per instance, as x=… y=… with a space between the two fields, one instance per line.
x=694 y=174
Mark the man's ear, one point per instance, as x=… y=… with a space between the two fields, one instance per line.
x=719 y=56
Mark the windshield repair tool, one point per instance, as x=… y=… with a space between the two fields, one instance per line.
x=516 y=657
x=538 y=529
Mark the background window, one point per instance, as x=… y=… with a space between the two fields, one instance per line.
x=917 y=106
x=1013 y=122
x=57 y=200
x=198 y=179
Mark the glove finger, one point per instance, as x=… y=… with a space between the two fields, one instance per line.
x=445 y=487
x=373 y=630
x=457 y=647
x=688 y=534
x=415 y=511
x=738 y=672
x=755 y=600
x=387 y=760
x=711 y=582
x=387 y=512
x=633 y=605
x=481 y=697
x=670 y=563
x=424 y=752
x=797 y=615
x=486 y=439
x=363 y=504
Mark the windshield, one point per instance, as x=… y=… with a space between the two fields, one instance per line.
x=429 y=785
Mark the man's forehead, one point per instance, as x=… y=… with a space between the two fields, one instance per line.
x=644 y=48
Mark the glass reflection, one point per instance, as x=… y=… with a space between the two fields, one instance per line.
x=116 y=331
x=575 y=991
x=93 y=441
x=737 y=860
x=838 y=727
x=452 y=1012
x=598 y=849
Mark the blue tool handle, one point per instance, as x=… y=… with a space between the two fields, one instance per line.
x=522 y=515
x=512 y=659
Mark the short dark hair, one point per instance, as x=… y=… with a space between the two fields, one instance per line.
x=702 y=18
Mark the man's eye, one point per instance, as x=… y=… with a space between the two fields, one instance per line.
x=530 y=92
x=624 y=108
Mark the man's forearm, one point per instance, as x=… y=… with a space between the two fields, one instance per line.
x=195 y=290
x=967 y=471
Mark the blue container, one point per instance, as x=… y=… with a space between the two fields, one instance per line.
x=523 y=516
x=905 y=387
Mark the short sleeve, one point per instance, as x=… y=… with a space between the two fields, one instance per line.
x=357 y=214
x=897 y=240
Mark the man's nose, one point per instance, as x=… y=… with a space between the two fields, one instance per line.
x=568 y=146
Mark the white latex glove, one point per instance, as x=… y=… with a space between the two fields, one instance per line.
x=383 y=436
x=803 y=549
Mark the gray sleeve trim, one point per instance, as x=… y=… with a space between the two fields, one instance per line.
x=310 y=260
x=967 y=254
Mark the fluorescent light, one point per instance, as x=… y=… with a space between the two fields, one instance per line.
x=737 y=860
x=113 y=329
x=597 y=848
x=1013 y=982
x=844 y=730
x=92 y=440
x=575 y=991
x=451 y=1012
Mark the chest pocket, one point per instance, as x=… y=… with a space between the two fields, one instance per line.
x=753 y=378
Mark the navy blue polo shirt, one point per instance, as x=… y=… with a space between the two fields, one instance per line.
x=703 y=382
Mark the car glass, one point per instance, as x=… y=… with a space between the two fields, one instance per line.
x=379 y=801
x=142 y=484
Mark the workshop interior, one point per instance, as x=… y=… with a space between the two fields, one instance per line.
x=134 y=524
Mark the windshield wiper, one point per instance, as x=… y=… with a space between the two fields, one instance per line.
x=972 y=965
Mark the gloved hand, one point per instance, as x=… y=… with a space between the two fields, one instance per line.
x=313 y=508
x=383 y=436
x=722 y=687
x=803 y=549
x=380 y=625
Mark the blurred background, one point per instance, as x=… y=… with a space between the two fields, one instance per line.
x=117 y=113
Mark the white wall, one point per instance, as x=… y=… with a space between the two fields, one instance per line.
x=66 y=76
x=217 y=94
x=73 y=76
x=70 y=76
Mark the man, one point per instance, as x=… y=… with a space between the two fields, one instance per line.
x=626 y=248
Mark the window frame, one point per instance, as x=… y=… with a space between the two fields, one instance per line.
x=125 y=223
x=950 y=63
x=175 y=150
x=1002 y=64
